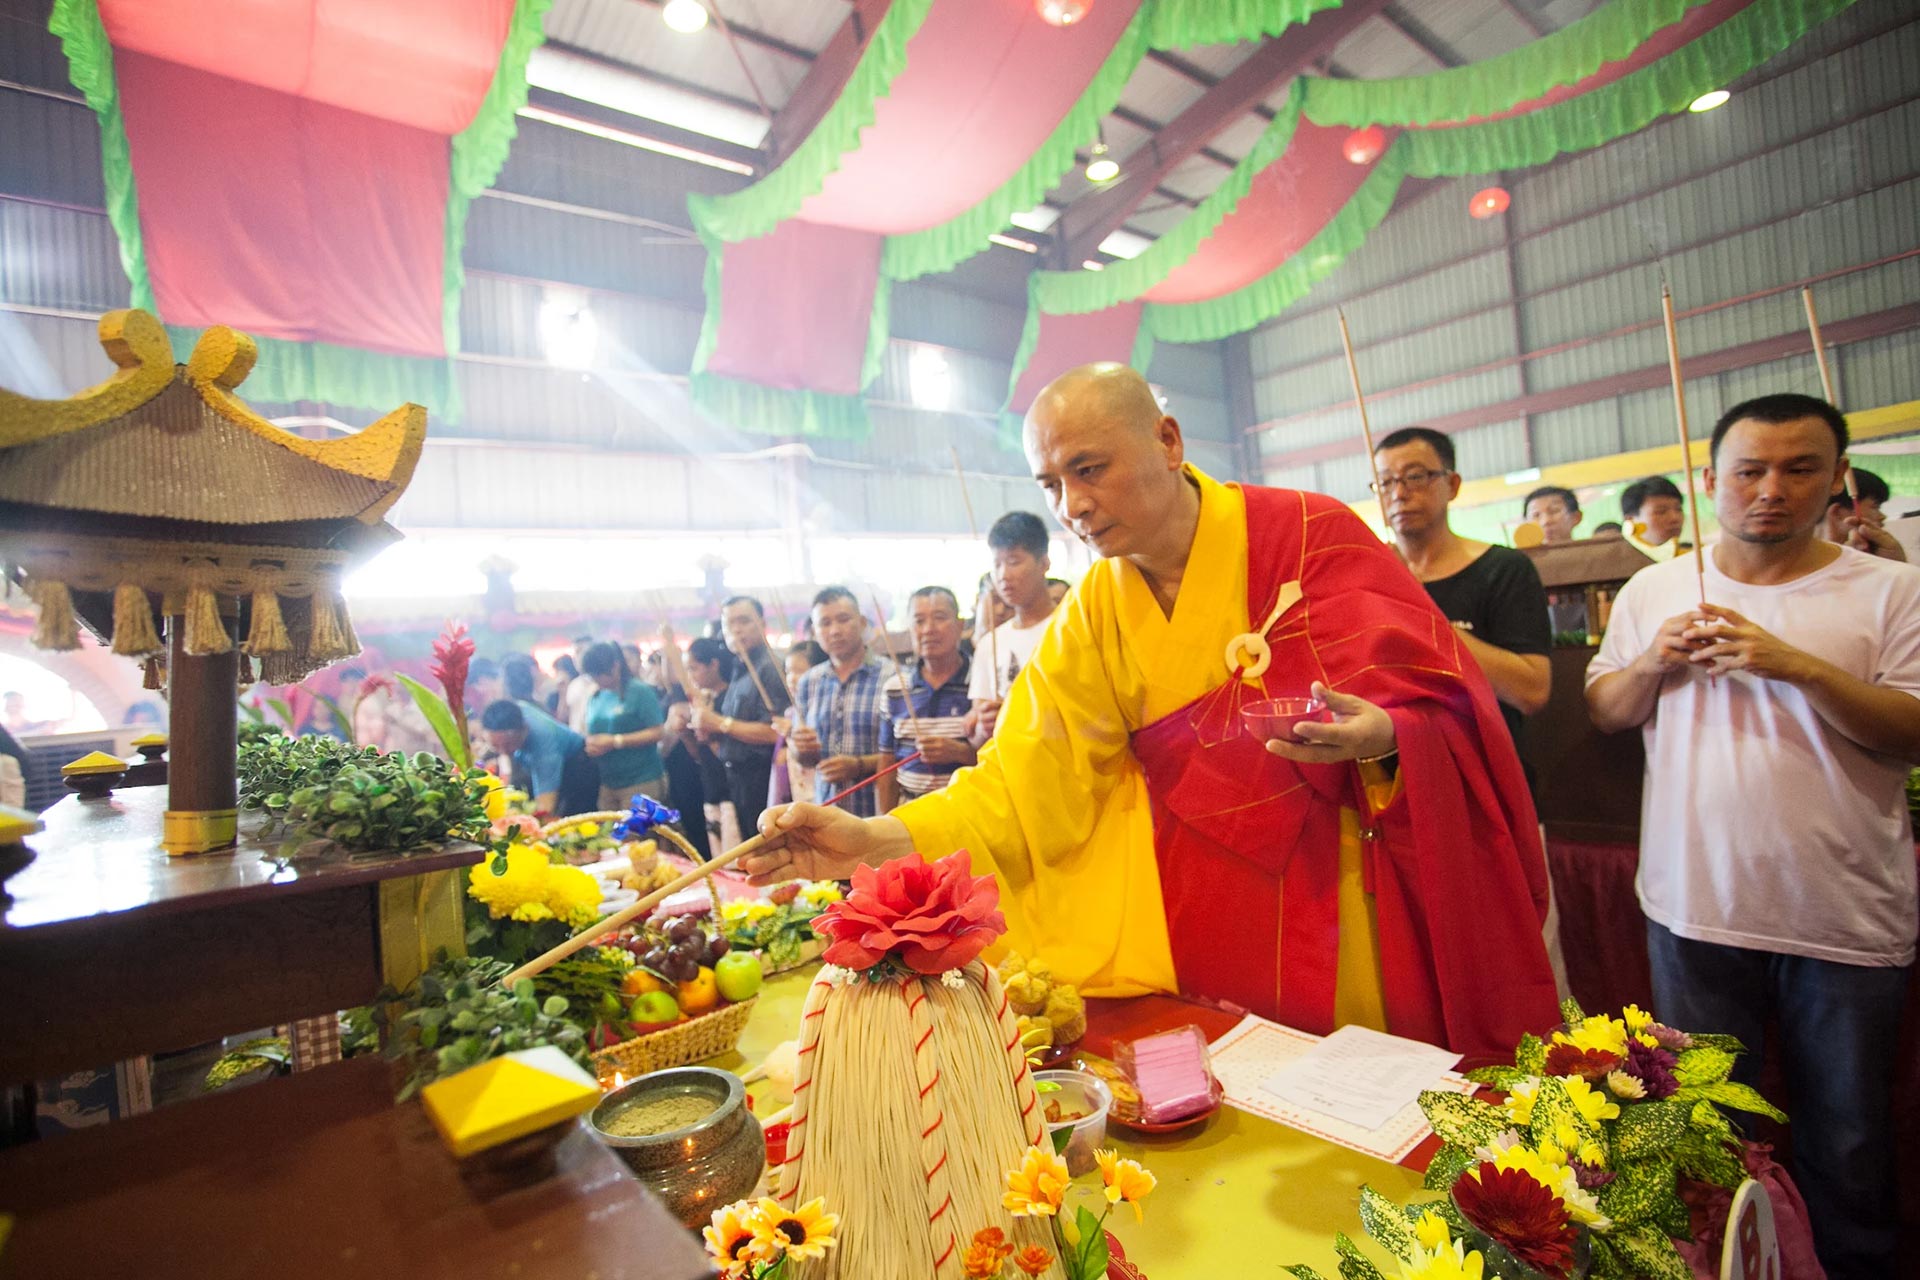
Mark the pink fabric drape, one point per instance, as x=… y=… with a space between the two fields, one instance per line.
x=284 y=217
x=795 y=307
x=1067 y=341
x=424 y=63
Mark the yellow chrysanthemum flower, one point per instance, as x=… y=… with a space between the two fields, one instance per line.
x=1519 y=1101
x=573 y=896
x=588 y=830
x=1592 y=1104
x=1593 y=1155
x=618 y=956
x=1447 y=1262
x=1126 y=1181
x=522 y=883
x=1432 y=1232
x=806 y=1232
x=1625 y=1086
x=1035 y=1189
x=820 y=893
x=1557 y=1178
x=1646 y=1041
x=1608 y=1035
x=1637 y=1019
x=493 y=796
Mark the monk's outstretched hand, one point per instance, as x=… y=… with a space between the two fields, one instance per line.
x=1359 y=731
x=820 y=842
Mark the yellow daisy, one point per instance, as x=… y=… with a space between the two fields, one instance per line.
x=1447 y=1262
x=1432 y=1231
x=1592 y=1103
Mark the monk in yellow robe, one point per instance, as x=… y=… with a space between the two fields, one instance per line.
x=1384 y=871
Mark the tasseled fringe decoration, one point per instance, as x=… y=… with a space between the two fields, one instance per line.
x=172 y=603
x=346 y=629
x=329 y=640
x=56 y=630
x=279 y=668
x=205 y=634
x=245 y=672
x=133 y=632
x=153 y=673
x=268 y=632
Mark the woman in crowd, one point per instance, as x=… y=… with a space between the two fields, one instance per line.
x=624 y=728
x=710 y=668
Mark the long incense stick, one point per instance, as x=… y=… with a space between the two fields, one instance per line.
x=980 y=598
x=627 y=915
x=1366 y=427
x=899 y=673
x=1686 y=441
x=1826 y=381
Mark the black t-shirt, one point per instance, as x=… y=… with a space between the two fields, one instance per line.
x=742 y=701
x=1500 y=601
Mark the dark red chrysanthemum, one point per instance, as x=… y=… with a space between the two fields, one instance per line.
x=1590 y=1065
x=1519 y=1214
x=1653 y=1068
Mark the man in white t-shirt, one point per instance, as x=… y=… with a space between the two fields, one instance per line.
x=1018 y=541
x=1776 y=855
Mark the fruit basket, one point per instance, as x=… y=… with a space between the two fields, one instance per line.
x=682 y=1044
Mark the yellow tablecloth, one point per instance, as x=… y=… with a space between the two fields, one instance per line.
x=1239 y=1197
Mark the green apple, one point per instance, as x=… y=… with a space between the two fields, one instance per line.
x=738 y=975
x=654 y=1007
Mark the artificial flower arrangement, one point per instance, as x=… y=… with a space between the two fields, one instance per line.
x=1574 y=1173
x=780 y=926
x=754 y=1239
x=1039 y=1189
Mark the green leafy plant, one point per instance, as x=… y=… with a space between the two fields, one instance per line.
x=438 y=715
x=254 y=727
x=458 y=1016
x=360 y=799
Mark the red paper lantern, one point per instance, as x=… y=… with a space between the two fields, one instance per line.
x=1062 y=13
x=1490 y=202
x=1363 y=146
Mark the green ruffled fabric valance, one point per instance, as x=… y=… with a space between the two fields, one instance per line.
x=83 y=38
x=1181 y=24
x=947 y=245
x=1569 y=55
x=480 y=149
x=772 y=411
x=754 y=211
x=287 y=372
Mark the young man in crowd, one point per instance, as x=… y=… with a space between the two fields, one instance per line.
x=550 y=761
x=1776 y=855
x=1018 y=541
x=1657 y=505
x=1863 y=526
x=1492 y=595
x=934 y=703
x=740 y=729
x=838 y=705
x=1555 y=510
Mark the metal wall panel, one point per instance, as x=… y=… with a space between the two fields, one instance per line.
x=546 y=244
x=64 y=258
x=63 y=161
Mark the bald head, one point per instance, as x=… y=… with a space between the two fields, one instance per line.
x=1107 y=458
x=1114 y=395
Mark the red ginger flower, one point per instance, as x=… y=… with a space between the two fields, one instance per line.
x=929 y=917
x=1529 y=1220
x=1590 y=1065
x=452 y=653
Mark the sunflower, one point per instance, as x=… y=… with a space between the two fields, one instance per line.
x=1126 y=1181
x=806 y=1232
x=731 y=1241
x=1520 y=1214
x=1035 y=1189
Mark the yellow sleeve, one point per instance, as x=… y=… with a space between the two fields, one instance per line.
x=1057 y=810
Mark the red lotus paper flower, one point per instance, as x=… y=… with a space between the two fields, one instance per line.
x=928 y=917
x=452 y=653
x=1515 y=1211
x=1590 y=1065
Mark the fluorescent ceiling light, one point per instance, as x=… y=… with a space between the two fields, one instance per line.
x=635 y=140
x=1092 y=265
x=1024 y=246
x=1124 y=244
x=630 y=92
x=929 y=377
x=1708 y=101
x=1040 y=219
x=684 y=16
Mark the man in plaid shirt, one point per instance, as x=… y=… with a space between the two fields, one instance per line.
x=839 y=705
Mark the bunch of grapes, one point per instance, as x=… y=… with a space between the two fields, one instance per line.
x=675 y=951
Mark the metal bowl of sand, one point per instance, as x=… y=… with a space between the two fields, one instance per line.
x=688 y=1135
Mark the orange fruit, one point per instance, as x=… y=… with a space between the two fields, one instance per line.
x=638 y=982
x=698 y=995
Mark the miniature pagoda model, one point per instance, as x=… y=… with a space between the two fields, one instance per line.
x=160 y=488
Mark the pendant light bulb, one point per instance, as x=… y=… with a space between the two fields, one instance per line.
x=1102 y=167
x=684 y=16
x=1062 y=13
x=1708 y=101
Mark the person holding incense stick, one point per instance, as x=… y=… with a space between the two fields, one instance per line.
x=1776 y=854
x=928 y=716
x=1018 y=541
x=740 y=729
x=838 y=704
x=1385 y=869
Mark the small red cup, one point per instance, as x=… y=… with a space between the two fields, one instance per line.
x=1280 y=717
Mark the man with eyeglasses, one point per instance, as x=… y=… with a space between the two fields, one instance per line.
x=1377 y=863
x=1491 y=594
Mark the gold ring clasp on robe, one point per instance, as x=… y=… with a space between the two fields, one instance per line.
x=1250 y=654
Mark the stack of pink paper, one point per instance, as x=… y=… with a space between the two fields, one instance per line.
x=1170 y=1071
